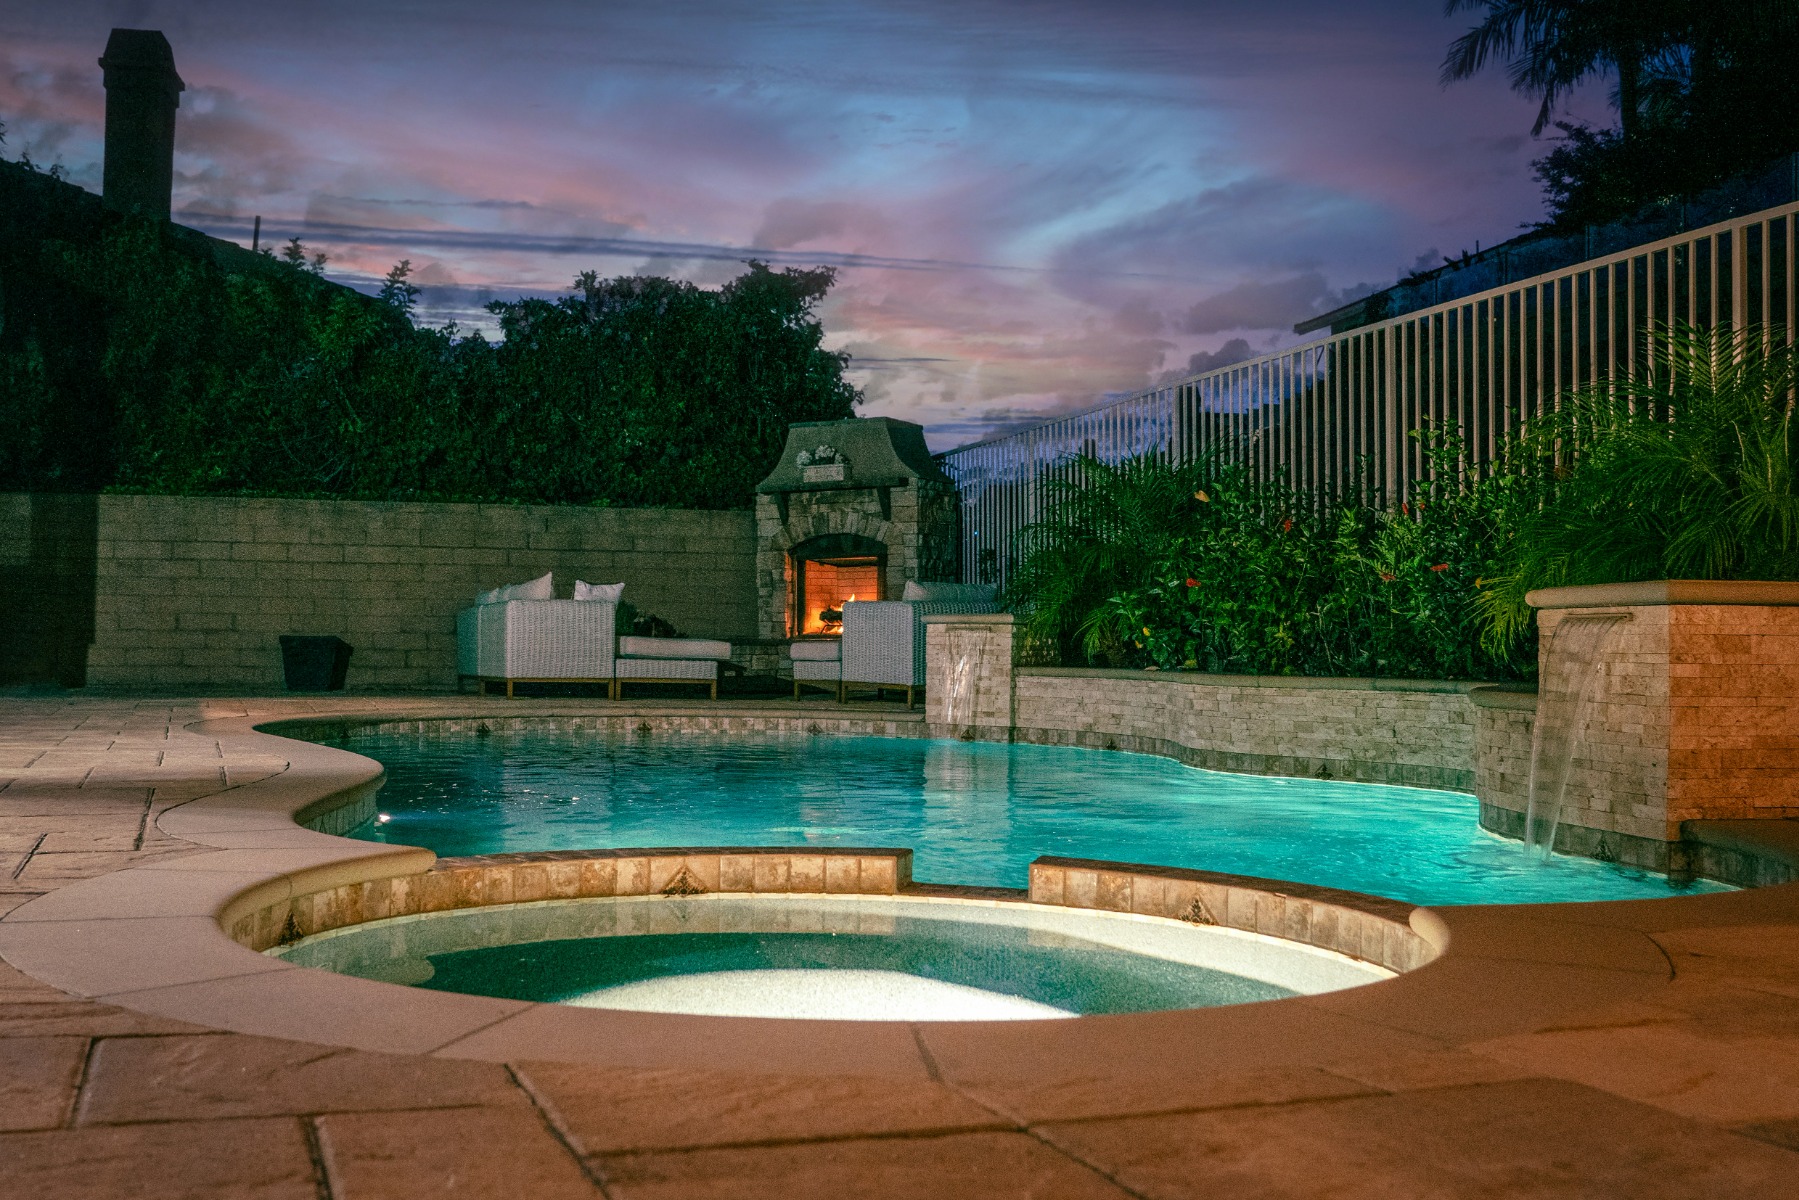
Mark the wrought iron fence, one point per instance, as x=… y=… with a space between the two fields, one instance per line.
x=1334 y=417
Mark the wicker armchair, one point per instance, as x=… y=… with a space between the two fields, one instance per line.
x=883 y=642
x=537 y=641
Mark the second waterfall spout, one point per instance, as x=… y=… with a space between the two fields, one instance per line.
x=959 y=695
x=1573 y=669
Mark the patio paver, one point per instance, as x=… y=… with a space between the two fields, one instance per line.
x=1676 y=1081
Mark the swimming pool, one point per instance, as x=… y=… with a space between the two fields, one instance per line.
x=973 y=813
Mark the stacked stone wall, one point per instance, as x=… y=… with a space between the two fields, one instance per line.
x=1370 y=730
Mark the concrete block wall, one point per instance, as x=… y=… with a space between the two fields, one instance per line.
x=195 y=591
x=46 y=587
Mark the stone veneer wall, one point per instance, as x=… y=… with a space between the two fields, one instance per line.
x=1696 y=716
x=194 y=591
x=1371 y=730
x=1503 y=722
x=1417 y=732
x=46 y=587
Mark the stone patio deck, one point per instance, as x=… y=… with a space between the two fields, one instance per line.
x=1668 y=1066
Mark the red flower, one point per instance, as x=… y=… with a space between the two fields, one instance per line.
x=1192 y=582
x=1287 y=525
x=1385 y=577
x=1441 y=567
x=1405 y=510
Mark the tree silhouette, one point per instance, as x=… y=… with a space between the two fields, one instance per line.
x=1550 y=47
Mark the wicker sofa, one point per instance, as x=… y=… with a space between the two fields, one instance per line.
x=537 y=641
x=883 y=640
x=574 y=641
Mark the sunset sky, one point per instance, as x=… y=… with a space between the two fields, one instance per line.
x=1032 y=204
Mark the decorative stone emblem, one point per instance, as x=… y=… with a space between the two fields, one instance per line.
x=825 y=464
x=683 y=884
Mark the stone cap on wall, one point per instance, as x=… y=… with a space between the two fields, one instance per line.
x=1511 y=697
x=966 y=619
x=1667 y=591
x=1323 y=683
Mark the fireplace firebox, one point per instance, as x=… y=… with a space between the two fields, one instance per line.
x=825 y=572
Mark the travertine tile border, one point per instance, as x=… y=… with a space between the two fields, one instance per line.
x=478 y=881
x=1370 y=928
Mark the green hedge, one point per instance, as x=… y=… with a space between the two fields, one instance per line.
x=129 y=360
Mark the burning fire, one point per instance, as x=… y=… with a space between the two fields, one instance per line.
x=832 y=618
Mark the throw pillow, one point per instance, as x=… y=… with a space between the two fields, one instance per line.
x=607 y=592
x=541 y=588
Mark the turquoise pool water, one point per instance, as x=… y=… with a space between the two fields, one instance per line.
x=973 y=813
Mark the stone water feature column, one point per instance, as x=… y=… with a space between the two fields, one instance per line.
x=1693 y=715
x=969 y=676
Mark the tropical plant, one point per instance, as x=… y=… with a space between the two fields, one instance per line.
x=1550 y=47
x=1204 y=567
x=1684 y=471
x=1108 y=529
x=1704 y=92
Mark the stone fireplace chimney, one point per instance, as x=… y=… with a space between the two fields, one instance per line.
x=853 y=508
x=142 y=93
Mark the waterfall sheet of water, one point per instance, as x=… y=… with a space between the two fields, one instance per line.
x=1564 y=709
x=959 y=700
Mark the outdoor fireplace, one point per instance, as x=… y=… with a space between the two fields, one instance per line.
x=854 y=509
x=826 y=571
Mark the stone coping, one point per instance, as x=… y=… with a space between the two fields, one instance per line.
x=1508 y=697
x=149 y=939
x=1297 y=682
x=1667 y=591
x=999 y=618
x=479 y=881
x=1388 y=933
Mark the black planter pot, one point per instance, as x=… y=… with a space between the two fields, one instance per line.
x=314 y=664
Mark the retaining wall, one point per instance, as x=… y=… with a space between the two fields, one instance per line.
x=1371 y=730
x=194 y=591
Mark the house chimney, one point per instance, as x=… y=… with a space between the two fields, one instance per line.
x=142 y=93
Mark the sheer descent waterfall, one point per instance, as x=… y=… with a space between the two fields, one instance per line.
x=1571 y=678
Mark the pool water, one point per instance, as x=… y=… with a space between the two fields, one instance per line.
x=837 y=958
x=973 y=813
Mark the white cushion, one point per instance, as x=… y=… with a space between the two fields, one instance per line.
x=952 y=593
x=541 y=588
x=697 y=669
x=649 y=647
x=829 y=651
x=598 y=591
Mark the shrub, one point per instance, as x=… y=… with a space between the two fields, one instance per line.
x=1683 y=472
x=130 y=359
x=1201 y=567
